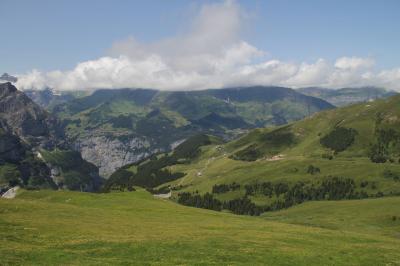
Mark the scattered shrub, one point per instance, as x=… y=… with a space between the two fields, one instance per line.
x=313 y=170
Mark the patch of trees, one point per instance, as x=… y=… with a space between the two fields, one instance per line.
x=249 y=154
x=281 y=137
x=223 y=188
x=387 y=141
x=242 y=206
x=29 y=173
x=283 y=194
x=339 y=139
x=148 y=175
x=266 y=189
x=331 y=188
x=206 y=201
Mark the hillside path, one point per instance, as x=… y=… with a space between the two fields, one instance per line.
x=163 y=196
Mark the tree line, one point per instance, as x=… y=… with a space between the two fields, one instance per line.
x=223 y=188
x=283 y=195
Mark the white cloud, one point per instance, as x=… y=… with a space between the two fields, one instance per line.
x=354 y=63
x=211 y=54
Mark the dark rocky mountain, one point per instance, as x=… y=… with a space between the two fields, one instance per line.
x=346 y=96
x=29 y=138
x=26 y=119
x=115 y=127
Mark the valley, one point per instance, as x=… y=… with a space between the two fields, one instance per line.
x=319 y=190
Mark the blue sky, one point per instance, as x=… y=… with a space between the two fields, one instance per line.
x=57 y=35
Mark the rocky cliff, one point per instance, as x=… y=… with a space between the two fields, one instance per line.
x=27 y=130
x=109 y=153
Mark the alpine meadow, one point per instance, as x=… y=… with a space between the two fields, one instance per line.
x=218 y=132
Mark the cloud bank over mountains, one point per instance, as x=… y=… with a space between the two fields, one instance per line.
x=211 y=54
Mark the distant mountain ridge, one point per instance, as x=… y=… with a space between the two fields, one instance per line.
x=8 y=78
x=114 y=127
x=346 y=96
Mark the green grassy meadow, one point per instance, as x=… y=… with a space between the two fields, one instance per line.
x=72 y=228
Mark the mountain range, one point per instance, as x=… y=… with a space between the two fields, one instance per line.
x=345 y=153
x=321 y=185
x=346 y=96
x=112 y=128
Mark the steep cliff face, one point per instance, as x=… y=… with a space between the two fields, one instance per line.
x=109 y=153
x=26 y=130
x=26 y=119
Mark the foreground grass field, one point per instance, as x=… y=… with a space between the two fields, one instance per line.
x=59 y=227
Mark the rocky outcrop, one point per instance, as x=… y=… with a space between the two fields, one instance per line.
x=26 y=129
x=110 y=153
x=26 y=119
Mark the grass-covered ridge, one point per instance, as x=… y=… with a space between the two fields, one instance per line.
x=60 y=227
x=331 y=155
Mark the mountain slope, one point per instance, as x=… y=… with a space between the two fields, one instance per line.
x=346 y=96
x=112 y=128
x=345 y=153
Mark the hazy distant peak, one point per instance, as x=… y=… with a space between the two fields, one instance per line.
x=8 y=78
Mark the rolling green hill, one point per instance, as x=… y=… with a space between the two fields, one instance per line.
x=345 y=153
x=61 y=227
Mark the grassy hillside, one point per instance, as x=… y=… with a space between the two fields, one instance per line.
x=364 y=216
x=345 y=153
x=59 y=227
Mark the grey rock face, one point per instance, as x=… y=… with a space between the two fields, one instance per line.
x=26 y=119
x=109 y=153
x=11 y=148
